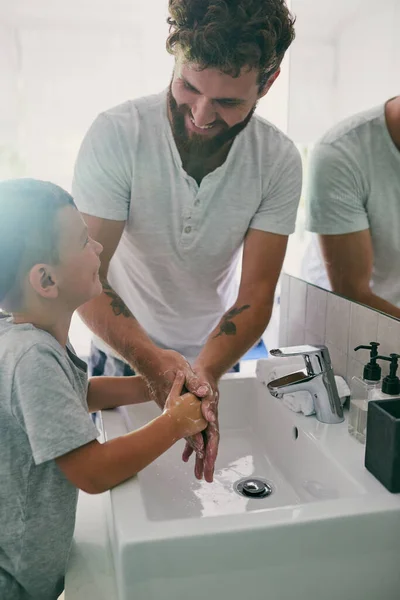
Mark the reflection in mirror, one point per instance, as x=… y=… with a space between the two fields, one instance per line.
x=344 y=115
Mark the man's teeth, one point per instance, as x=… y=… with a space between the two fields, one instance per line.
x=198 y=127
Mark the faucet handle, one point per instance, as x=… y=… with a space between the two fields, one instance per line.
x=297 y=350
x=316 y=358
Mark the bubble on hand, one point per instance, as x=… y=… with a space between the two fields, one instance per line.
x=203 y=390
x=166 y=373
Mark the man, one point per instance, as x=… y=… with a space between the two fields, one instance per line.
x=173 y=185
x=353 y=203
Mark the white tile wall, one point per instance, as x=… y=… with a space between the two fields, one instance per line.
x=310 y=315
x=317 y=300
x=388 y=337
x=284 y=310
x=363 y=326
x=313 y=338
x=295 y=334
x=283 y=331
x=297 y=302
x=337 y=322
x=339 y=361
x=355 y=368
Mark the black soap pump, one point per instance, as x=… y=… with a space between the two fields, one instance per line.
x=390 y=387
x=390 y=383
x=372 y=371
x=362 y=390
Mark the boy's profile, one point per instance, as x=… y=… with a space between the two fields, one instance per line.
x=48 y=442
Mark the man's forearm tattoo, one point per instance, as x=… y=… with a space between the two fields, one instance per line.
x=117 y=305
x=228 y=327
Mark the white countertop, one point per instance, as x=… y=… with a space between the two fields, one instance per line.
x=90 y=574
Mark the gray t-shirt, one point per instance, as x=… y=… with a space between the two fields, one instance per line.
x=354 y=184
x=43 y=415
x=176 y=265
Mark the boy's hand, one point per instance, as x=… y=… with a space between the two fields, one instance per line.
x=160 y=373
x=185 y=410
x=205 y=463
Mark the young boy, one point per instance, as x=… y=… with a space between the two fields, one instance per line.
x=48 y=446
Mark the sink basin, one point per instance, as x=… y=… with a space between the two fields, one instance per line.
x=328 y=528
x=257 y=440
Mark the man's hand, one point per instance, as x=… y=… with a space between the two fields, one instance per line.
x=160 y=374
x=205 y=463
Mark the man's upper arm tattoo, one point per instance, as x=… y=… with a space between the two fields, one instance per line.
x=228 y=327
x=117 y=305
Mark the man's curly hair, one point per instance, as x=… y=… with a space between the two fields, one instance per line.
x=231 y=34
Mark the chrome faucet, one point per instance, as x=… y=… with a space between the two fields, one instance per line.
x=318 y=380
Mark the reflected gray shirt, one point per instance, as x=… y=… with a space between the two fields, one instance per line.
x=354 y=184
x=43 y=415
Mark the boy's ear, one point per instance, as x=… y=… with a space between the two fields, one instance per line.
x=41 y=278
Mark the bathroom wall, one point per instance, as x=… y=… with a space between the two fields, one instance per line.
x=367 y=59
x=61 y=63
x=345 y=59
x=312 y=89
x=311 y=315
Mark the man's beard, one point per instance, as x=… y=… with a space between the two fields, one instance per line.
x=195 y=144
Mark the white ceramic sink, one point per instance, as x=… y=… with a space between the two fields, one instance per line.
x=327 y=524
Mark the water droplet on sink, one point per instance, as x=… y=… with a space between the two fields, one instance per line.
x=319 y=490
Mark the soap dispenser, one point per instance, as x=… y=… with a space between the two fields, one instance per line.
x=390 y=387
x=390 y=383
x=362 y=390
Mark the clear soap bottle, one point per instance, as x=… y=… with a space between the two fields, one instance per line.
x=390 y=383
x=362 y=391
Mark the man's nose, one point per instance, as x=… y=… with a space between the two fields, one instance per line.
x=203 y=112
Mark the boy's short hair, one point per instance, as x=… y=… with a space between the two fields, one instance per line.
x=28 y=232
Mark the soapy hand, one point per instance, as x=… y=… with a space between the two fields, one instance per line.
x=160 y=374
x=205 y=464
x=184 y=409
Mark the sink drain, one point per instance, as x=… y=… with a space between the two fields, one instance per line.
x=253 y=487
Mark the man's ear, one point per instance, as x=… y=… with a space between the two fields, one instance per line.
x=269 y=83
x=42 y=280
x=179 y=62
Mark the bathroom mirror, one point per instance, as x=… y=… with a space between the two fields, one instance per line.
x=346 y=60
